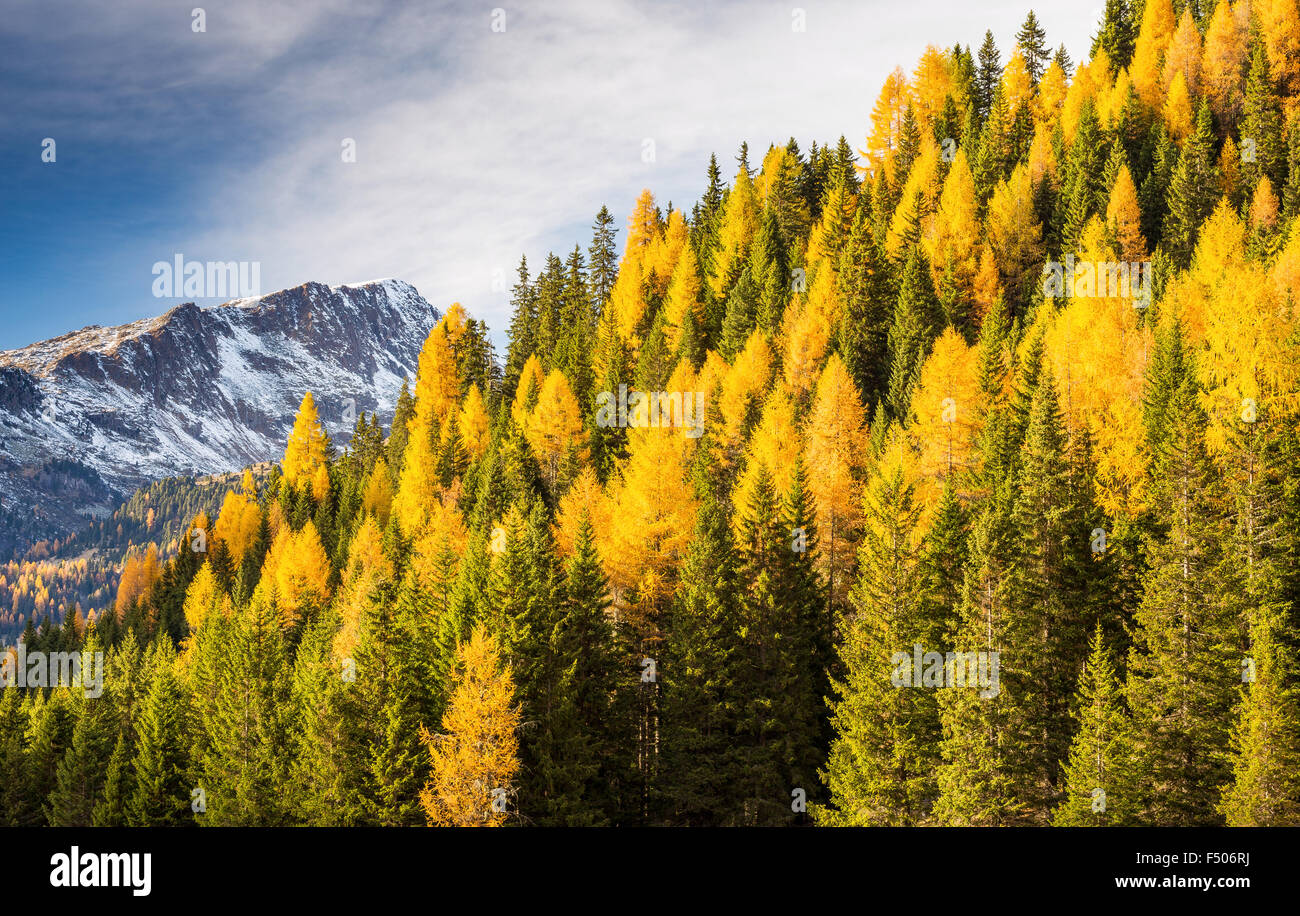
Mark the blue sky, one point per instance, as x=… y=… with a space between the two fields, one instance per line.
x=472 y=145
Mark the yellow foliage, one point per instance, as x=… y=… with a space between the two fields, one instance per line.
x=1240 y=324
x=436 y=553
x=683 y=299
x=1052 y=89
x=305 y=453
x=418 y=485
x=887 y=122
x=952 y=240
x=947 y=415
x=237 y=524
x=554 y=427
x=642 y=226
x=834 y=451
x=742 y=391
x=367 y=568
x=920 y=194
x=1013 y=227
x=377 y=498
x=665 y=250
x=584 y=499
x=987 y=286
x=1154 y=36
x=774 y=446
x=474 y=424
x=201 y=597
x=1279 y=22
x=1184 y=55
x=1124 y=216
x=298 y=570
x=474 y=761
x=740 y=215
x=1091 y=79
x=1098 y=355
x=1111 y=102
x=1178 y=114
x=654 y=518
x=1017 y=89
x=1042 y=158
x=1263 y=206
x=931 y=84
x=437 y=383
x=809 y=332
x=1224 y=59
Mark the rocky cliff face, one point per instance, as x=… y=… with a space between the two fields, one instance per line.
x=87 y=417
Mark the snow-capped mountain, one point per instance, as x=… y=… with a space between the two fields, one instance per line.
x=87 y=417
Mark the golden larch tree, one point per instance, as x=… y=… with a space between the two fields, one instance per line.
x=1154 y=36
x=946 y=416
x=1183 y=55
x=1124 y=217
x=554 y=427
x=474 y=761
x=887 y=121
x=474 y=424
x=305 y=453
x=953 y=239
x=835 y=449
x=1223 y=59
x=740 y=216
x=377 y=497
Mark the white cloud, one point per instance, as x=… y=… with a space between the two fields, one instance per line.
x=474 y=147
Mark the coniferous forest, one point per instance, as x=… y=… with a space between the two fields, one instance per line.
x=946 y=475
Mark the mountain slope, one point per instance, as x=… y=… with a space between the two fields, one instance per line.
x=87 y=417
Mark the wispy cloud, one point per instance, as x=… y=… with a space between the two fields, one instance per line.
x=473 y=145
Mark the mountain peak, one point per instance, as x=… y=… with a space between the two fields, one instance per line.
x=198 y=390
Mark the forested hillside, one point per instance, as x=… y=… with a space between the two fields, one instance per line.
x=946 y=481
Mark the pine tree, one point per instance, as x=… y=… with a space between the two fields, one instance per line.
x=1265 y=789
x=988 y=75
x=918 y=318
x=1181 y=670
x=1263 y=136
x=882 y=764
x=163 y=790
x=1116 y=36
x=81 y=772
x=1192 y=192
x=1054 y=590
x=1032 y=42
x=602 y=256
x=17 y=807
x=698 y=775
x=591 y=680
x=243 y=761
x=1099 y=777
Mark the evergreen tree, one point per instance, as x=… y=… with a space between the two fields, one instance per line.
x=886 y=718
x=1099 y=776
x=700 y=693
x=1117 y=35
x=988 y=75
x=918 y=319
x=602 y=256
x=163 y=785
x=1181 y=671
x=1032 y=42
